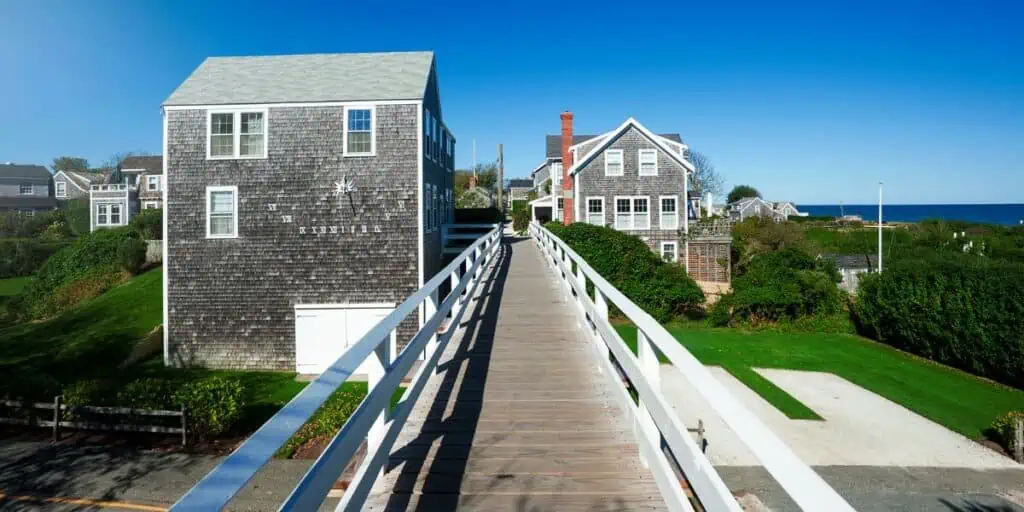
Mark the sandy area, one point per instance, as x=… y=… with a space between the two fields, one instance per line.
x=860 y=427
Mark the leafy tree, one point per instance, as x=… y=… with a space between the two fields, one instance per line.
x=742 y=191
x=705 y=178
x=70 y=163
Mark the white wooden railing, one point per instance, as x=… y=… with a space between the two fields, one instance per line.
x=372 y=420
x=654 y=421
x=113 y=187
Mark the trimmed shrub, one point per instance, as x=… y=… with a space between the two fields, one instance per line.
x=149 y=223
x=663 y=290
x=327 y=420
x=131 y=255
x=960 y=310
x=214 y=404
x=23 y=256
x=1003 y=427
x=147 y=394
x=520 y=220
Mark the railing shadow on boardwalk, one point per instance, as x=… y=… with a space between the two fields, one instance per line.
x=473 y=352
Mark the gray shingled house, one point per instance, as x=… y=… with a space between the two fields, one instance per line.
x=25 y=189
x=75 y=185
x=304 y=200
x=146 y=174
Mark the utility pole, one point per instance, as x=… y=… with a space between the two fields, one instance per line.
x=879 y=226
x=474 y=158
x=501 y=177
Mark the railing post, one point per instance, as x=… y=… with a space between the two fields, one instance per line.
x=378 y=367
x=601 y=305
x=56 y=418
x=582 y=280
x=429 y=310
x=463 y=270
x=479 y=268
x=647 y=355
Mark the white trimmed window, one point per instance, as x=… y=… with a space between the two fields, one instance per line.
x=359 y=132
x=25 y=189
x=102 y=212
x=115 y=215
x=62 y=189
x=669 y=212
x=632 y=213
x=648 y=162
x=238 y=134
x=150 y=205
x=153 y=183
x=613 y=162
x=670 y=251
x=428 y=134
x=28 y=212
x=222 y=212
x=595 y=211
x=556 y=171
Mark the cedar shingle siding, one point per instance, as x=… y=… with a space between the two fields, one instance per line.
x=231 y=301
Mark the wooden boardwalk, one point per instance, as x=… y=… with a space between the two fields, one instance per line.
x=518 y=417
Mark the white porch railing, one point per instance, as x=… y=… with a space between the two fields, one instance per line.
x=371 y=420
x=654 y=421
x=113 y=187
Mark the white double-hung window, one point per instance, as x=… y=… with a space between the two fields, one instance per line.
x=153 y=183
x=102 y=213
x=595 y=211
x=237 y=134
x=359 y=133
x=62 y=189
x=669 y=212
x=647 y=162
x=670 y=251
x=632 y=213
x=222 y=212
x=613 y=162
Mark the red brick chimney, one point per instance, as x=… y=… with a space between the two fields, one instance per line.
x=567 y=211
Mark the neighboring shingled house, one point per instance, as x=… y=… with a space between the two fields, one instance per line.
x=69 y=185
x=146 y=173
x=26 y=189
x=304 y=199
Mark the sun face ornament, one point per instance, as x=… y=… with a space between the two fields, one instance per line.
x=344 y=187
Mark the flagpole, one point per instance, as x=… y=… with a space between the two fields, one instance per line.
x=879 y=226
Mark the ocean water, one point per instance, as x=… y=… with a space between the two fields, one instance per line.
x=1005 y=214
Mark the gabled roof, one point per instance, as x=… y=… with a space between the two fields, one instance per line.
x=151 y=164
x=553 y=143
x=9 y=170
x=306 y=78
x=83 y=180
x=614 y=134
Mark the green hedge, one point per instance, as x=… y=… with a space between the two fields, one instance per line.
x=149 y=223
x=663 y=290
x=960 y=310
x=24 y=256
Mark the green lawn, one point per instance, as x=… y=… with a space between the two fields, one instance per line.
x=13 y=286
x=961 y=402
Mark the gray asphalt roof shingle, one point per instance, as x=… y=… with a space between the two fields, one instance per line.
x=306 y=78
x=23 y=171
x=553 y=143
x=152 y=164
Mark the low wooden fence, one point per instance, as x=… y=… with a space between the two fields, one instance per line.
x=56 y=416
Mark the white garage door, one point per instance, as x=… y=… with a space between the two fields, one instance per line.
x=324 y=332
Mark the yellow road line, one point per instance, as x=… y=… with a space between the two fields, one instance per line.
x=83 y=501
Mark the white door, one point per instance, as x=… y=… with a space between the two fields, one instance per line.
x=323 y=333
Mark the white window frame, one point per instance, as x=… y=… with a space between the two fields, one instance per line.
x=28 y=212
x=661 y=213
x=155 y=178
x=120 y=215
x=104 y=210
x=373 y=129
x=236 y=133
x=675 y=252
x=428 y=134
x=640 y=162
x=632 y=213
x=589 y=213
x=151 y=205
x=234 y=208
x=622 y=162
x=31 y=189
x=61 y=189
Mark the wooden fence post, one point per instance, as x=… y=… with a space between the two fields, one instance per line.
x=184 y=426
x=56 y=418
x=1018 y=445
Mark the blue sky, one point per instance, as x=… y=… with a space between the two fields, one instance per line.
x=806 y=101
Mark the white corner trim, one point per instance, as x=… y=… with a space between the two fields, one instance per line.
x=373 y=129
x=420 y=197
x=236 y=133
x=234 y=206
x=167 y=242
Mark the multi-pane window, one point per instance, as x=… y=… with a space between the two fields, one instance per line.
x=222 y=135
x=669 y=213
x=25 y=189
x=221 y=212
x=595 y=211
x=252 y=134
x=115 y=214
x=648 y=162
x=632 y=213
x=62 y=189
x=238 y=135
x=613 y=162
x=428 y=133
x=437 y=139
x=101 y=214
x=153 y=183
x=561 y=203
x=669 y=251
x=556 y=171
x=359 y=133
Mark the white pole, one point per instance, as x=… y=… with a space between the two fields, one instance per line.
x=879 y=226
x=474 y=157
